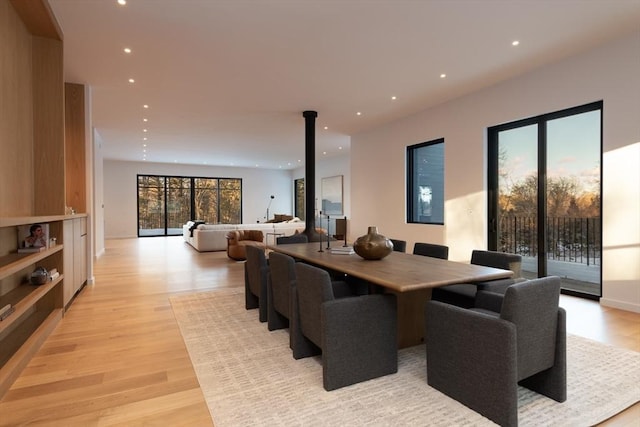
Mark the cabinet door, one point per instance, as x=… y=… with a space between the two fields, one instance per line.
x=79 y=253
x=68 y=282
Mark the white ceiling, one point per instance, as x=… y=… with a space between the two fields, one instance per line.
x=227 y=80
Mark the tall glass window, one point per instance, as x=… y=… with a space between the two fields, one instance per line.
x=425 y=182
x=298 y=192
x=544 y=195
x=166 y=203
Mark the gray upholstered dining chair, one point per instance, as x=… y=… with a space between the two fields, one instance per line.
x=356 y=335
x=431 y=249
x=479 y=357
x=464 y=295
x=283 y=278
x=256 y=276
x=294 y=238
x=399 y=245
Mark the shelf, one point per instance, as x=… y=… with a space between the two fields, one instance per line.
x=37 y=327
x=14 y=262
x=23 y=298
x=22 y=220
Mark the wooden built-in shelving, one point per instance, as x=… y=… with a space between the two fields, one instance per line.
x=22 y=299
x=14 y=262
x=43 y=171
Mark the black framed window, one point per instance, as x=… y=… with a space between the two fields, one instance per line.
x=298 y=194
x=165 y=203
x=545 y=187
x=425 y=182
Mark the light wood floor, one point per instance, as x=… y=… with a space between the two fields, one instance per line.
x=117 y=357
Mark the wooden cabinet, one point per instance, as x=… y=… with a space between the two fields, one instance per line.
x=75 y=257
x=37 y=309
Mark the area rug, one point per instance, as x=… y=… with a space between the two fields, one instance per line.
x=249 y=378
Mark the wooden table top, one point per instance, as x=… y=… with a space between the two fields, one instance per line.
x=398 y=271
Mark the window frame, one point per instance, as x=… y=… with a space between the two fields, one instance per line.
x=193 y=189
x=412 y=186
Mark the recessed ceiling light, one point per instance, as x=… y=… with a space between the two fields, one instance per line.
x=145 y=120
x=122 y=2
x=515 y=43
x=144 y=130
x=131 y=81
x=443 y=75
x=288 y=163
x=326 y=127
x=145 y=106
x=144 y=145
x=144 y=139
x=144 y=151
x=358 y=113
x=324 y=152
x=393 y=98
x=299 y=161
x=339 y=148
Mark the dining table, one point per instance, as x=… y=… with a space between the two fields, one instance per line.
x=410 y=277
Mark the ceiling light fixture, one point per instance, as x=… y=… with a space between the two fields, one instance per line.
x=145 y=106
x=144 y=130
x=339 y=148
x=131 y=81
x=393 y=98
x=324 y=152
x=145 y=120
x=515 y=43
x=326 y=127
x=127 y=50
x=144 y=139
x=358 y=113
x=443 y=75
x=122 y=2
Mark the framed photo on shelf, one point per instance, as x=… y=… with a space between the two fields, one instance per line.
x=33 y=236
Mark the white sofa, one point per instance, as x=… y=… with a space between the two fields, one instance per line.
x=213 y=237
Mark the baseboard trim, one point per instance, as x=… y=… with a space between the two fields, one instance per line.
x=622 y=305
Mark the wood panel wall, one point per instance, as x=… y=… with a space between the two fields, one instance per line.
x=48 y=127
x=75 y=164
x=16 y=119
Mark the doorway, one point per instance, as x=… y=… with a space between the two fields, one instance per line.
x=544 y=177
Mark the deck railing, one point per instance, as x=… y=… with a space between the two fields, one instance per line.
x=568 y=239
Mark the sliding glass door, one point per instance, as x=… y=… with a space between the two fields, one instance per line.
x=544 y=195
x=151 y=205
x=166 y=203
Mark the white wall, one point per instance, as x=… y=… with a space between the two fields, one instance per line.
x=331 y=167
x=610 y=73
x=98 y=195
x=120 y=200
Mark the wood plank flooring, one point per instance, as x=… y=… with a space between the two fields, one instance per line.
x=117 y=357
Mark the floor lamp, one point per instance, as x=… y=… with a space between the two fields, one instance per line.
x=268 y=206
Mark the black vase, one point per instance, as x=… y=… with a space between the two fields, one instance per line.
x=373 y=245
